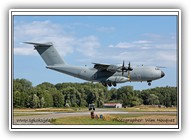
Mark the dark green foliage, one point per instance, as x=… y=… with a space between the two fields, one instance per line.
x=83 y=94
x=58 y=99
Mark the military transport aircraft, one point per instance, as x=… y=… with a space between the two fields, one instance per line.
x=106 y=74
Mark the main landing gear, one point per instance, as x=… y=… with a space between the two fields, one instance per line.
x=109 y=84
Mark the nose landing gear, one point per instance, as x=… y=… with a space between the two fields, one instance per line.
x=149 y=83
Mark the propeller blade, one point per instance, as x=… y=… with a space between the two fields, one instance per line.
x=123 y=64
x=129 y=67
x=122 y=72
x=123 y=68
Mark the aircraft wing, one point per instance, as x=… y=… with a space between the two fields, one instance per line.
x=100 y=67
x=106 y=67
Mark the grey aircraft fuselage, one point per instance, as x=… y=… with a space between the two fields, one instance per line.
x=105 y=74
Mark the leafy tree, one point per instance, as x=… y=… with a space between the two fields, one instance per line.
x=46 y=86
x=42 y=102
x=82 y=94
x=20 y=99
x=34 y=101
x=17 y=99
x=153 y=99
x=112 y=94
x=22 y=85
x=48 y=99
x=58 y=99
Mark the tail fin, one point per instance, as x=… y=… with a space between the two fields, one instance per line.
x=48 y=53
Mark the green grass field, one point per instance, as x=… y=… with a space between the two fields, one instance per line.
x=118 y=120
x=84 y=120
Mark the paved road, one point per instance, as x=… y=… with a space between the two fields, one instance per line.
x=45 y=117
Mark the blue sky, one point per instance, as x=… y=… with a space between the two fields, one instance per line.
x=81 y=40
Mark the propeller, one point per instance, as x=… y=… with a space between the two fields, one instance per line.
x=123 y=68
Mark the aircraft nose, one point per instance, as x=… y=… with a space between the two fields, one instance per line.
x=162 y=74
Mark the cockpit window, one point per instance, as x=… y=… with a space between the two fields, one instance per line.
x=157 y=68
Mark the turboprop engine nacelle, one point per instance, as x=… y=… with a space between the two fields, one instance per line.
x=117 y=79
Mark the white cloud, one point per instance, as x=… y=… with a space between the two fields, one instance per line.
x=154 y=58
x=124 y=45
x=35 y=29
x=88 y=46
x=166 y=57
x=140 y=44
x=156 y=50
x=46 y=31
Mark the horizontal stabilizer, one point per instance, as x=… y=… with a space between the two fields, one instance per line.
x=39 y=44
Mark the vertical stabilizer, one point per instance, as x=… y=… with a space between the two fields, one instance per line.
x=48 y=53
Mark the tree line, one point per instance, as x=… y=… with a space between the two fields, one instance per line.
x=82 y=94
